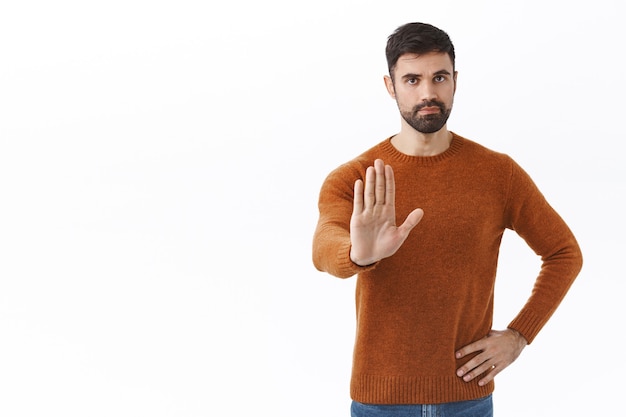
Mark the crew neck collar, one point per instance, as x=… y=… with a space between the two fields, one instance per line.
x=455 y=147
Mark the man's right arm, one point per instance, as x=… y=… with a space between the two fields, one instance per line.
x=357 y=229
x=331 y=240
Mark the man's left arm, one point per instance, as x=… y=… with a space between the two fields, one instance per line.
x=545 y=232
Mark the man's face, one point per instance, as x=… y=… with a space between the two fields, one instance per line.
x=423 y=86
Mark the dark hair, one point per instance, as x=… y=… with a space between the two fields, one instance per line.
x=417 y=38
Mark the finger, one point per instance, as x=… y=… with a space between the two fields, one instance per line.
x=477 y=346
x=477 y=371
x=469 y=368
x=381 y=183
x=369 y=197
x=390 y=186
x=358 y=197
x=490 y=376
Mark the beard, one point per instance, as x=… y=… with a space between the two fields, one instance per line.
x=429 y=123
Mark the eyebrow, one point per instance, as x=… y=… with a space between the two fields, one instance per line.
x=412 y=75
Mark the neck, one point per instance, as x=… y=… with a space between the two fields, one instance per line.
x=414 y=143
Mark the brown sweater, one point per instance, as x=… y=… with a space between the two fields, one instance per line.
x=435 y=295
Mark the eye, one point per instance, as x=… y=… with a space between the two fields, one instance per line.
x=439 y=78
x=411 y=81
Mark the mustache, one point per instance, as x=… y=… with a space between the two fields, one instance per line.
x=431 y=103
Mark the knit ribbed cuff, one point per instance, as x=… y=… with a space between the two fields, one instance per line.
x=528 y=324
x=345 y=264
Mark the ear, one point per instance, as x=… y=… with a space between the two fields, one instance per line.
x=455 y=74
x=390 y=87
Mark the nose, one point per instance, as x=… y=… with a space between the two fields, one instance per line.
x=428 y=92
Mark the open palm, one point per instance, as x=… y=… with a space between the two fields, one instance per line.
x=373 y=231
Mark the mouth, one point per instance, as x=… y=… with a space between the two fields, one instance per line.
x=429 y=110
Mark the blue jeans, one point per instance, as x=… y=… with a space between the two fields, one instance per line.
x=482 y=407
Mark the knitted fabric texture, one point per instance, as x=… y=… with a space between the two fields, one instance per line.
x=436 y=293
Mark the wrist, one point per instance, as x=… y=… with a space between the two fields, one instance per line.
x=361 y=261
x=519 y=336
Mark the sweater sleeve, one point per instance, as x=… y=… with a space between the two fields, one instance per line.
x=545 y=232
x=331 y=240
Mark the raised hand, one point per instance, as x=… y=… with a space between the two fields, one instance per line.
x=373 y=231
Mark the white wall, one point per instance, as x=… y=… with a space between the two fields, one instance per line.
x=159 y=169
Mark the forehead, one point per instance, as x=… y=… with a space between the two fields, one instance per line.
x=423 y=63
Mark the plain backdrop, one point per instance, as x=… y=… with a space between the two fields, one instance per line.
x=160 y=163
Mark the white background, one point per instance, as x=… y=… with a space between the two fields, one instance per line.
x=160 y=164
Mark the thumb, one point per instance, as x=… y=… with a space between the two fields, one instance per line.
x=411 y=221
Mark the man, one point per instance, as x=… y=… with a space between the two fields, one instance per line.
x=425 y=288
